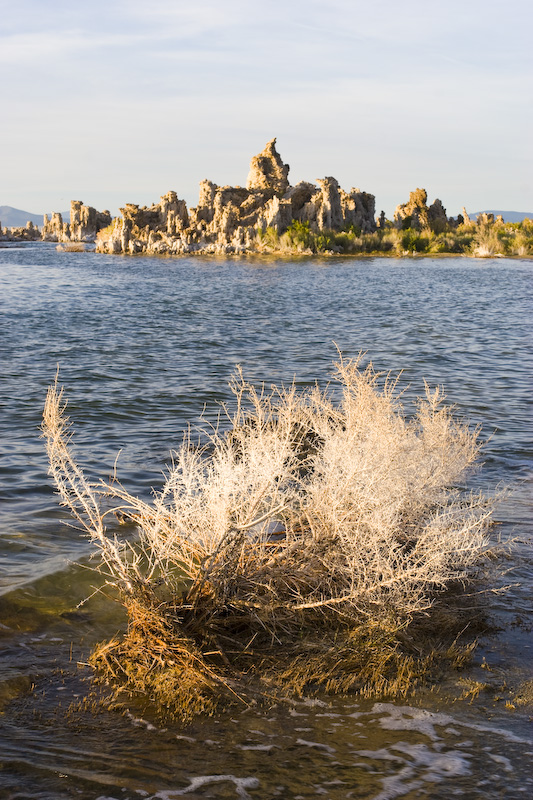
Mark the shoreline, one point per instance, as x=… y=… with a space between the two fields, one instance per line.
x=255 y=254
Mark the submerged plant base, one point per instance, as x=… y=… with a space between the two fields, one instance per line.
x=156 y=662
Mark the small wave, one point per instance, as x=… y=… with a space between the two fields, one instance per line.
x=241 y=785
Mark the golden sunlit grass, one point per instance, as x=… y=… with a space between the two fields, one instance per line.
x=72 y=247
x=310 y=544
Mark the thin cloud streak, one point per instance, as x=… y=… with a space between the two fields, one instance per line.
x=31 y=48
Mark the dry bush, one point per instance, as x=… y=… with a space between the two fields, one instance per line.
x=487 y=242
x=302 y=543
x=72 y=247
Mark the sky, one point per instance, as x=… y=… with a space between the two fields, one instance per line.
x=121 y=101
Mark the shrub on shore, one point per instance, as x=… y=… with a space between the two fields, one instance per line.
x=315 y=542
x=483 y=240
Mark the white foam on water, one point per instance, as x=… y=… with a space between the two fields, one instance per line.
x=316 y=745
x=294 y=713
x=139 y=722
x=383 y=754
x=405 y=718
x=313 y=702
x=423 y=765
x=441 y=765
x=448 y=755
x=265 y=747
x=241 y=785
x=420 y=764
x=418 y=719
x=396 y=785
x=503 y=760
x=105 y=797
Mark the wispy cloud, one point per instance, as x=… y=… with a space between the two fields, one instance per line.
x=35 y=47
x=354 y=88
x=185 y=20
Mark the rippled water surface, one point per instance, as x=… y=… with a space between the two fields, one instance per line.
x=144 y=347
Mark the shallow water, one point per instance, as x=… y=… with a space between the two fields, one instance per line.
x=144 y=345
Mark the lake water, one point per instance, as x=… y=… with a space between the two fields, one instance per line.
x=144 y=347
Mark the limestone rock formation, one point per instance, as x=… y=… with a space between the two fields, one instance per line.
x=143 y=228
x=300 y=196
x=267 y=215
x=359 y=210
x=437 y=218
x=485 y=218
x=328 y=205
x=85 y=223
x=416 y=213
x=54 y=229
x=268 y=172
x=231 y=219
x=21 y=233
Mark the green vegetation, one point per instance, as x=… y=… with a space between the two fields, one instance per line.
x=108 y=229
x=486 y=239
x=322 y=540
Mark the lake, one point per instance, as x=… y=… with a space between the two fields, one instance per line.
x=145 y=346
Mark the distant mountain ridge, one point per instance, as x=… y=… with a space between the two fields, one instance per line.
x=16 y=218
x=508 y=216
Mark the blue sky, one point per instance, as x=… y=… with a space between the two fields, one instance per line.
x=120 y=101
